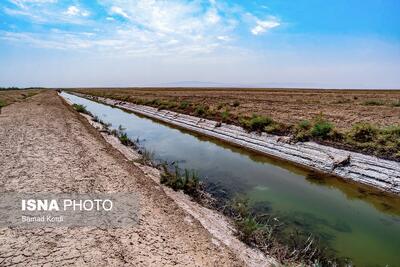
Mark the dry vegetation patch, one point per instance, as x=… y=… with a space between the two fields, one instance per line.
x=8 y=97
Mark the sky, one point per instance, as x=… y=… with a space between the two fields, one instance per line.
x=261 y=43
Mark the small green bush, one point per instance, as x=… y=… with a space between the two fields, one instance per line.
x=321 y=128
x=188 y=181
x=274 y=128
x=247 y=227
x=123 y=137
x=139 y=101
x=81 y=109
x=200 y=110
x=391 y=133
x=363 y=132
x=236 y=103
x=239 y=206
x=166 y=105
x=184 y=105
x=161 y=107
x=252 y=229
x=225 y=115
x=211 y=112
x=154 y=102
x=373 y=102
x=256 y=123
x=304 y=125
x=191 y=182
x=171 y=105
x=302 y=136
x=378 y=141
x=302 y=131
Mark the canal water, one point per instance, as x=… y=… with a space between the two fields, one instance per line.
x=354 y=221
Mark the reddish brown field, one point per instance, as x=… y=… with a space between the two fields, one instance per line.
x=342 y=107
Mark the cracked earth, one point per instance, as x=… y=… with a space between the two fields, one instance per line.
x=45 y=146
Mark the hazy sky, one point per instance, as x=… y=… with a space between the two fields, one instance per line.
x=303 y=43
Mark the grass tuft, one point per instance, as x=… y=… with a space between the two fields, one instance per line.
x=123 y=137
x=304 y=125
x=265 y=233
x=302 y=131
x=81 y=109
x=256 y=123
x=376 y=141
x=363 y=132
x=147 y=157
x=373 y=102
x=184 y=105
x=321 y=128
x=188 y=181
x=275 y=128
x=201 y=110
x=225 y=116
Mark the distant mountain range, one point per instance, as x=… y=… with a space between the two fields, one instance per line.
x=235 y=85
x=262 y=85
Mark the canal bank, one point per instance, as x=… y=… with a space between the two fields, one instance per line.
x=353 y=220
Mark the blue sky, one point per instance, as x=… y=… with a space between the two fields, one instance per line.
x=283 y=43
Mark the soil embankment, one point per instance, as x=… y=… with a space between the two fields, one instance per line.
x=47 y=147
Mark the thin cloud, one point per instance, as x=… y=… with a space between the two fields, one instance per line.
x=46 y=12
x=264 y=25
x=75 y=11
x=119 y=11
x=24 y=3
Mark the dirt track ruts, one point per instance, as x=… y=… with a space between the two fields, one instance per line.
x=45 y=146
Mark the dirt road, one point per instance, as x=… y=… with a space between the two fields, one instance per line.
x=47 y=147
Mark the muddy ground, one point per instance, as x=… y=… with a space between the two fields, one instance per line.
x=48 y=147
x=342 y=107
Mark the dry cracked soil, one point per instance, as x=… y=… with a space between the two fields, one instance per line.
x=45 y=146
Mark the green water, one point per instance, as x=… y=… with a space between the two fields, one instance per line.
x=355 y=221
